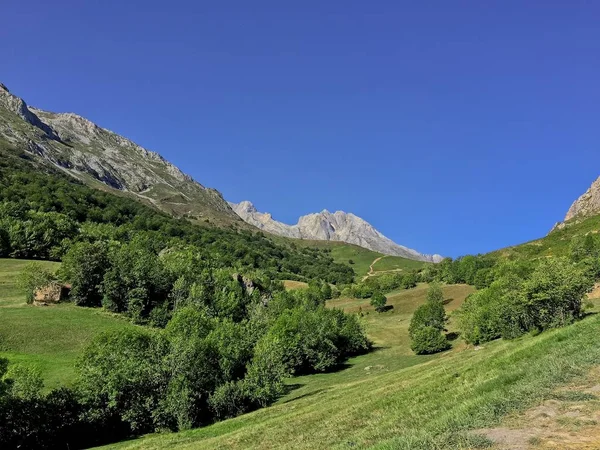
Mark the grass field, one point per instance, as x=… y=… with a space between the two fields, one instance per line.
x=396 y=263
x=292 y=285
x=47 y=337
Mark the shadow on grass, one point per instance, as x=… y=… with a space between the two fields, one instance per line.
x=448 y=300
x=452 y=336
x=308 y=394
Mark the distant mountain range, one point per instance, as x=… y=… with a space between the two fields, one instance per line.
x=327 y=226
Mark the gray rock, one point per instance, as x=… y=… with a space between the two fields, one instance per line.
x=586 y=205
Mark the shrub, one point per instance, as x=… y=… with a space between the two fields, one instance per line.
x=427 y=340
x=25 y=382
x=231 y=399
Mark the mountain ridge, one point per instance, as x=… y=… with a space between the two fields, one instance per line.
x=92 y=154
x=326 y=226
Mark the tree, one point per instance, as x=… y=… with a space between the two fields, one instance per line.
x=84 y=265
x=121 y=374
x=431 y=314
x=378 y=301
x=554 y=292
x=435 y=293
x=427 y=324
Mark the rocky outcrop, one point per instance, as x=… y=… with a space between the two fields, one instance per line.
x=586 y=205
x=327 y=226
x=94 y=154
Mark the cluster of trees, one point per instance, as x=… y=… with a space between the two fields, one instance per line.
x=427 y=325
x=476 y=270
x=226 y=348
x=526 y=298
x=43 y=213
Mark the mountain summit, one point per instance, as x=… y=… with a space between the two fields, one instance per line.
x=586 y=205
x=327 y=226
x=102 y=158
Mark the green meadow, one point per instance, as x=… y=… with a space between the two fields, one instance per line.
x=47 y=337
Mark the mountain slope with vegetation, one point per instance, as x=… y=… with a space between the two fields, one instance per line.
x=104 y=159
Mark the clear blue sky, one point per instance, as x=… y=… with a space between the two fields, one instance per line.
x=452 y=126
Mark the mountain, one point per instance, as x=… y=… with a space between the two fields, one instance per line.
x=586 y=205
x=106 y=160
x=327 y=226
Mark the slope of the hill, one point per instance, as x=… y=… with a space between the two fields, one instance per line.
x=104 y=159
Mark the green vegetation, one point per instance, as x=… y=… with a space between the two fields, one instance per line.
x=47 y=338
x=551 y=296
x=432 y=405
x=224 y=350
x=43 y=213
x=428 y=324
x=378 y=301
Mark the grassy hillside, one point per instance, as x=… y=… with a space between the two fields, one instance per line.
x=362 y=258
x=434 y=404
x=388 y=263
x=556 y=243
x=51 y=337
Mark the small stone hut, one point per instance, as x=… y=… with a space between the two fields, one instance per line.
x=50 y=294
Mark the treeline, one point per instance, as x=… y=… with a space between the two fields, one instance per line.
x=226 y=349
x=43 y=213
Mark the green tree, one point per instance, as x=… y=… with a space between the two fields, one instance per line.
x=84 y=265
x=554 y=292
x=378 y=301
x=427 y=324
x=121 y=373
x=435 y=293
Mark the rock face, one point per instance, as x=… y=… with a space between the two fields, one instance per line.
x=96 y=155
x=586 y=205
x=327 y=226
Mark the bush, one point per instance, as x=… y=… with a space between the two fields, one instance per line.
x=25 y=382
x=427 y=340
x=231 y=399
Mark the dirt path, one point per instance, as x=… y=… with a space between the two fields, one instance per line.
x=371 y=270
x=569 y=419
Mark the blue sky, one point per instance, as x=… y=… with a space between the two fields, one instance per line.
x=452 y=126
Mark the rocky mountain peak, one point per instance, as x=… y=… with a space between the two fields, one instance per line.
x=338 y=226
x=588 y=204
